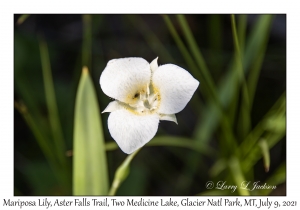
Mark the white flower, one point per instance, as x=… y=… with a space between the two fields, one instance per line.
x=144 y=94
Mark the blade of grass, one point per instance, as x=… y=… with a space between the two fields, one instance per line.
x=225 y=123
x=241 y=33
x=196 y=51
x=254 y=74
x=227 y=88
x=90 y=175
x=277 y=178
x=57 y=134
x=219 y=166
x=237 y=175
x=121 y=173
x=182 y=142
x=252 y=48
x=244 y=121
x=257 y=37
x=172 y=141
x=187 y=57
x=41 y=139
x=203 y=73
x=265 y=153
x=194 y=69
x=274 y=129
x=208 y=90
x=252 y=138
x=22 y=18
x=257 y=64
x=150 y=37
x=256 y=154
x=215 y=29
x=43 y=142
x=184 y=51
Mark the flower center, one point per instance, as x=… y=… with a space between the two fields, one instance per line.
x=147 y=101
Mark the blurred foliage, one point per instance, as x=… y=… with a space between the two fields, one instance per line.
x=233 y=129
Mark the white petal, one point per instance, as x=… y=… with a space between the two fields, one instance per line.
x=176 y=87
x=132 y=131
x=168 y=117
x=113 y=106
x=154 y=65
x=123 y=78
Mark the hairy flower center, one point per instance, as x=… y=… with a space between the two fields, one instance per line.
x=147 y=101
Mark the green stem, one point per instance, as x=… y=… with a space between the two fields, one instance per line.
x=121 y=173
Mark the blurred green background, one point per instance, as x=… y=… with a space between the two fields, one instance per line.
x=232 y=130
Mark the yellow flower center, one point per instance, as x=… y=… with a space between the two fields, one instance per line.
x=146 y=102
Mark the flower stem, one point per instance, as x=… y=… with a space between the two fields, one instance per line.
x=121 y=173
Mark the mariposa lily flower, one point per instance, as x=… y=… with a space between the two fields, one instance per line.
x=144 y=94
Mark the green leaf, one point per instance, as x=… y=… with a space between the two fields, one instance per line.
x=242 y=26
x=228 y=86
x=40 y=137
x=211 y=93
x=258 y=43
x=193 y=46
x=173 y=141
x=90 y=176
x=259 y=34
x=244 y=121
x=150 y=36
x=184 y=51
x=57 y=134
x=219 y=166
x=277 y=178
x=237 y=174
x=271 y=122
x=22 y=18
x=265 y=153
x=255 y=154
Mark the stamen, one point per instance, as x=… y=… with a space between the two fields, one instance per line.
x=146 y=101
x=153 y=108
x=148 y=90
